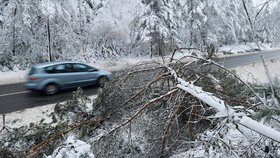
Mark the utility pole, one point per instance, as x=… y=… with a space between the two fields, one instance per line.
x=49 y=39
x=14 y=33
x=192 y=21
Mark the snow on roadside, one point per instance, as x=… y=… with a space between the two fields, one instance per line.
x=242 y=48
x=32 y=115
x=12 y=77
x=25 y=117
x=255 y=73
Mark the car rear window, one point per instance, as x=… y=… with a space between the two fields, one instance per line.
x=32 y=71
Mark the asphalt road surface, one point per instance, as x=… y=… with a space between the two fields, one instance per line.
x=234 y=61
x=14 y=97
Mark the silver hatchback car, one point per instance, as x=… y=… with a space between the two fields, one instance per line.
x=51 y=77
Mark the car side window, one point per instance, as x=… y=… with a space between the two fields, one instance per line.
x=68 y=68
x=80 y=68
x=61 y=68
x=50 y=69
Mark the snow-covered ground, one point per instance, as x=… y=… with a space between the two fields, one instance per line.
x=32 y=115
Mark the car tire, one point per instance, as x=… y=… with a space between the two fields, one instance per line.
x=51 y=89
x=101 y=81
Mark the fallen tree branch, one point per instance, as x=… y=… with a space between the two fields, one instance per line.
x=170 y=93
x=226 y=111
x=178 y=49
x=233 y=74
x=142 y=70
x=223 y=109
x=178 y=110
x=145 y=88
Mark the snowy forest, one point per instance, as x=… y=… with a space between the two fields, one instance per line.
x=186 y=106
x=43 y=30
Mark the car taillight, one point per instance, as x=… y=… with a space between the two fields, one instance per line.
x=33 y=78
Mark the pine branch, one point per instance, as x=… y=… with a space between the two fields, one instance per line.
x=141 y=110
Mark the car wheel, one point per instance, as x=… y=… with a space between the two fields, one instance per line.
x=51 y=89
x=102 y=81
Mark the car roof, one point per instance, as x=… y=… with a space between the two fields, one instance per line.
x=42 y=65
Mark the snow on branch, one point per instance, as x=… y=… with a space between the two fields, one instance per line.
x=225 y=110
x=211 y=62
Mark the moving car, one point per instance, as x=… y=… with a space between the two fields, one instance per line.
x=51 y=77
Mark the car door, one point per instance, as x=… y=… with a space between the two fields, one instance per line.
x=63 y=75
x=87 y=74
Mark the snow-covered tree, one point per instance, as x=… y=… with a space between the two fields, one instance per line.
x=157 y=26
x=267 y=25
x=220 y=22
x=193 y=23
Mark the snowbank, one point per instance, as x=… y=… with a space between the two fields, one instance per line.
x=12 y=77
x=255 y=73
x=25 y=117
x=242 y=48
